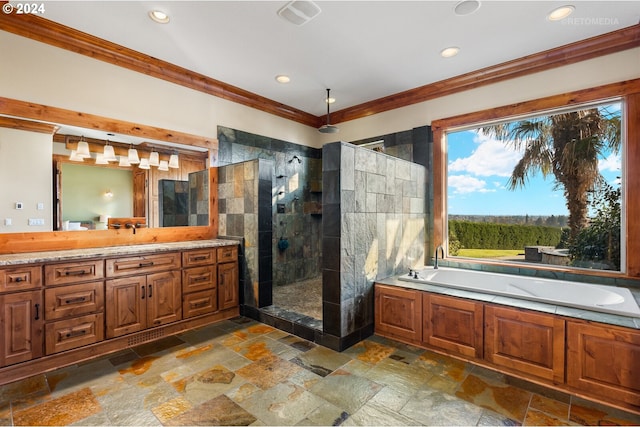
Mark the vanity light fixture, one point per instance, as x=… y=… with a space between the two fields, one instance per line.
x=74 y=157
x=82 y=150
x=174 y=162
x=144 y=164
x=108 y=153
x=154 y=159
x=159 y=16
x=100 y=159
x=124 y=162
x=133 y=156
x=164 y=166
x=558 y=14
x=449 y=52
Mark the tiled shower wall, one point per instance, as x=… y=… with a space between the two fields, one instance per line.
x=373 y=227
x=295 y=195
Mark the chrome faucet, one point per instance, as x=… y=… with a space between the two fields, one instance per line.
x=441 y=249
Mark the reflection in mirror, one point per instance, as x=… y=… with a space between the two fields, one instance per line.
x=39 y=194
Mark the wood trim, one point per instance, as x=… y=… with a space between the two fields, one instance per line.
x=594 y=47
x=632 y=168
x=33 y=111
x=45 y=31
x=629 y=90
x=49 y=32
x=28 y=125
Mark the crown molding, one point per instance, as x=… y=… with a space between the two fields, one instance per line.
x=49 y=32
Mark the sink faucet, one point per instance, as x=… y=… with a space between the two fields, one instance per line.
x=441 y=249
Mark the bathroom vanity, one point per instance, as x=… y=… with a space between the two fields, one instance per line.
x=61 y=307
x=576 y=351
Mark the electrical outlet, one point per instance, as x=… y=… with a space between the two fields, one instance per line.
x=40 y=206
x=36 y=221
x=7 y=221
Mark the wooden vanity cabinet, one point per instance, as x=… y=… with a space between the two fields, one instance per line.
x=199 y=282
x=145 y=292
x=453 y=324
x=73 y=304
x=228 y=274
x=21 y=314
x=22 y=323
x=604 y=360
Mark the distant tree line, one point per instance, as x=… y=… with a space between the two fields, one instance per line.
x=486 y=235
x=548 y=220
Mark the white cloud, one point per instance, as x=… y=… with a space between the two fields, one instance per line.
x=467 y=184
x=612 y=163
x=492 y=157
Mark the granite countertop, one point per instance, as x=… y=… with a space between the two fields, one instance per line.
x=577 y=313
x=75 y=254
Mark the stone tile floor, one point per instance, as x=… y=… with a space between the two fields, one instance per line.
x=304 y=297
x=241 y=372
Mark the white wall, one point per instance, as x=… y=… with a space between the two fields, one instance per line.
x=32 y=71
x=25 y=176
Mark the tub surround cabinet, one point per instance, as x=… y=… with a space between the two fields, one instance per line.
x=57 y=313
x=593 y=360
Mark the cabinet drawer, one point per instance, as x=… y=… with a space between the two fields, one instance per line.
x=73 y=272
x=73 y=300
x=227 y=253
x=19 y=278
x=199 y=303
x=199 y=257
x=71 y=333
x=198 y=278
x=142 y=264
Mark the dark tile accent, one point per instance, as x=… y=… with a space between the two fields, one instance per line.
x=331 y=253
x=331 y=318
x=331 y=286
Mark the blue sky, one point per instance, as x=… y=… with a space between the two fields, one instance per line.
x=478 y=171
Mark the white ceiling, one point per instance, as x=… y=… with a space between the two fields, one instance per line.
x=361 y=50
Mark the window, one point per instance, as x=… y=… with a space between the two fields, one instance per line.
x=541 y=189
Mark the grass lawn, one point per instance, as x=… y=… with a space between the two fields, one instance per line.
x=490 y=253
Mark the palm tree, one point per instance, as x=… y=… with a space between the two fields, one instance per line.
x=566 y=145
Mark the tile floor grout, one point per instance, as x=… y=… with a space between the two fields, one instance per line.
x=243 y=372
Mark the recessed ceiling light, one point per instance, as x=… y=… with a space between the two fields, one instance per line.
x=159 y=16
x=560 y=13
x=449 y=52
x=283 y=79
x=466 y=7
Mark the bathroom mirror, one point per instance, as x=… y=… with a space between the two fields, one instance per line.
x=43 y=190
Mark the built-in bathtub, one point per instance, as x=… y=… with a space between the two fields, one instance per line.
x=602 y=298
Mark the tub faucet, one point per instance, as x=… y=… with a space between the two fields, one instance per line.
x=441 y=249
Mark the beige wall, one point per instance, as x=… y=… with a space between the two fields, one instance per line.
x=32 y=71
x=25 y=176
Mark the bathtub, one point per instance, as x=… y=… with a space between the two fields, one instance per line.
x=606 y=299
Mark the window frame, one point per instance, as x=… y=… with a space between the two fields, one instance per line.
x=627 y=91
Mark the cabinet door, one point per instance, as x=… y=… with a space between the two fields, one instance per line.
x=528 y=342
x=164 y=298
x=604 y=360
x=398 y=313
x=22 y=325
x=228 y=285
x=453 y=324
x=126 y=305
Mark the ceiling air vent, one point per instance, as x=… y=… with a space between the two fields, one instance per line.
x=299 y=12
